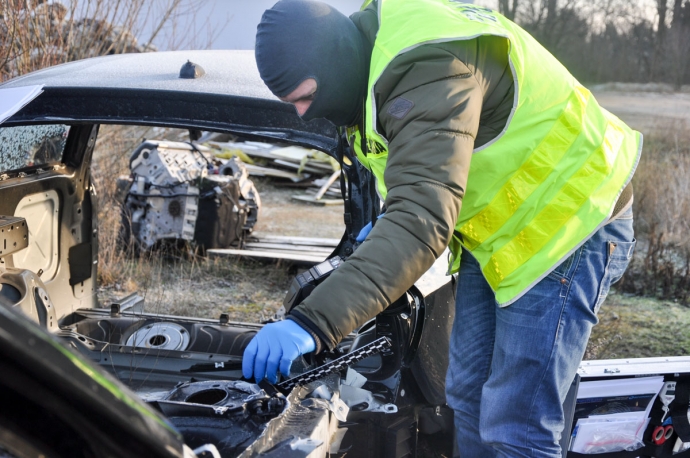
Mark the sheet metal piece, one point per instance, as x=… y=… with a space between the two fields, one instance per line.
x=161 y=336
x=15 y=234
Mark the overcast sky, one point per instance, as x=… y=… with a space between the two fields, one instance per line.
x=227 y=24
x=230 y=23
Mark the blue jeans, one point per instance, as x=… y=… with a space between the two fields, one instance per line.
x=511 y=367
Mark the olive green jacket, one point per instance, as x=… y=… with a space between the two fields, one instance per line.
x=461 y=94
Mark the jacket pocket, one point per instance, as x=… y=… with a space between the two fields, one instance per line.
x=619 y=255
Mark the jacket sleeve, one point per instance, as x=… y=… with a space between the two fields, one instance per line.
x=429 y=105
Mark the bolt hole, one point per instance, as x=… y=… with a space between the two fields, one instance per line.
x=208 y=397
x=158 y=340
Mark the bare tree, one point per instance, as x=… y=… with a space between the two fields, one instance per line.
x=508 y=8
x=677 y=44
x=661 y=9
x=551 y=11
x=35 y=34
x=677 y=11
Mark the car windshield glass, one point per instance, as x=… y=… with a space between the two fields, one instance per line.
x=26 y=146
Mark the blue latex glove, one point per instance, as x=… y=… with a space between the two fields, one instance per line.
x=365 y=230
x=276 y=343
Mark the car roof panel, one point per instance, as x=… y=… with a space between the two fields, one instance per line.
x=227 y=73
x=145 y=88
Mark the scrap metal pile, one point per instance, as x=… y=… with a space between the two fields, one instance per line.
x=315 y=172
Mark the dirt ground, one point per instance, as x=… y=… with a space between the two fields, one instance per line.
x=282 y=215
x=647 y=111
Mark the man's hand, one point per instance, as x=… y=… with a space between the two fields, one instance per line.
x=365 y=230
x=276 y=344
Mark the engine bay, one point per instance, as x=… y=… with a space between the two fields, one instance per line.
x=189 y=369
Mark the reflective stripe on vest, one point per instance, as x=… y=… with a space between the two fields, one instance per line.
x=541 y=187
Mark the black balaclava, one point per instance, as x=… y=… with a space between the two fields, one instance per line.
x=301 y=39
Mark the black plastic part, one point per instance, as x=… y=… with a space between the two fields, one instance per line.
x=434 y=420
x=40 y=308
x=679 y=409
x=568 y=414
x=382 y=435
x=78 y=152
x=227 y=414
x=218 y=224
x=430 y=362
x=80 y=263
x=190 y=70
x=394 y=323
x=304 y=283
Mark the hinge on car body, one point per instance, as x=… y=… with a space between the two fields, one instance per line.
x=615 y=370
x=14 y=234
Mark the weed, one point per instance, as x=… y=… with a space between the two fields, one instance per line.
x=661 y=266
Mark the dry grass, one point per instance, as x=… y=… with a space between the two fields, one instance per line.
x=662 y=187
x=194 y=286
x=35 y=34
x=661 y=266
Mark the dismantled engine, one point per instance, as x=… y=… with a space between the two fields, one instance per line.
x=175 y=192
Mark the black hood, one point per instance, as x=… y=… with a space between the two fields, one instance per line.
x=301 y=39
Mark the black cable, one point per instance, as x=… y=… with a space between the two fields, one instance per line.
x=165 y=195
x=203 y=156
x=345 y=188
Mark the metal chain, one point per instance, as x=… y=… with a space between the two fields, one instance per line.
x=338 y=364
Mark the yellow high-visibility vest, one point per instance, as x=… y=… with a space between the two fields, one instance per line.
x=547 y=182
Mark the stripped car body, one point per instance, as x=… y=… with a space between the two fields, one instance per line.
x=187 y=389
